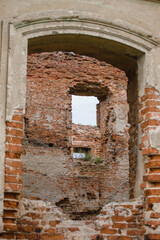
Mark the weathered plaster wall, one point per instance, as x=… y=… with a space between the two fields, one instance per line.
x=120 y=12
x=127 y=29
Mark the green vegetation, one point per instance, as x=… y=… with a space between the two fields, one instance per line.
x=92 y=158
x=88 y=156
x=98 y=160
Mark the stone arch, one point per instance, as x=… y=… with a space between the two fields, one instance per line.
x=109 y=43
x=130 y=48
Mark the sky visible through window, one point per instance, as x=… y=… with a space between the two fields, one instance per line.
x=84 y=110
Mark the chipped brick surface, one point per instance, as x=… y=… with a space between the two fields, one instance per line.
x=49 y=171
x=75 y=193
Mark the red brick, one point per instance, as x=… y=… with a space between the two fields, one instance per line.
x=152 y=103
x=153 y=236
x=14 y=124
x=53 y=223
x=36 y=215
x=135 y=232
x=143 y=185
x=43 y=223
x=151 y=91
x=152 y=178
x=14 y=148
x=150 y=96
x=135 y=211
x=9 y=214
x=14 y=140
x=132 y=225
x=13 y=171
x=7 y=236
x=22 y=236
x=149 y=109
x=10 y=227
x=10 y=204
x=153 y=223
x=108 y=231
x=13 y=179
x=118 y=218
x=94 y=237
x=8 y=220
x=13 y=187
x=131 y=219
x=12 y=155
x=27 y=228
x=151 y=122
x=155 y=215
x=155 y=157
x=119 y=225
x=50 y=230
x=52 y=237
x=153 y=164
x=149 y=151
x=18 y=118
x=73 y=229
x=14 y=132
x=153 y=200
x=127 y=206
x=14 y=163
x=152 y=115
x=150 y=192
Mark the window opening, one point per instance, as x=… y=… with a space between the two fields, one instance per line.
x=80 y=152
x=84 y=110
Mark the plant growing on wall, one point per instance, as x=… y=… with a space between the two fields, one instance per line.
x=93 y=158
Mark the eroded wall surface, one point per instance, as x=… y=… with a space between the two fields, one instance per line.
x=49 y=171
x=132 y=32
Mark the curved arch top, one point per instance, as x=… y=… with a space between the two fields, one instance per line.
x=123 y=33
x=106 y=41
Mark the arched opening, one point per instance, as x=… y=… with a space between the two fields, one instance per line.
x=122 y=36
x=119 y=55
x=126 y=59
x=43 y=159
x=81 y=186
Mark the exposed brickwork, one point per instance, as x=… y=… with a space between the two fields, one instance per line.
x=49 y=172
x=149 y=120
x=36 y=219
x=13 y=170
x=87 y=136
x=46 y=221
x=42 y=220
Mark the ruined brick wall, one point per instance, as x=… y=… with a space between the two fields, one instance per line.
x=49 y=172
x=42 y=220
x=34 y=219
x=13 y=170
x=150 y=122
x=47 y=121
x=88 y=137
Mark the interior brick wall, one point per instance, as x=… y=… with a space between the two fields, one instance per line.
x=81 y=184
x=88 y=137
x=13 y=170
x=42 y=220
x=49 y=172
x=38 y=219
